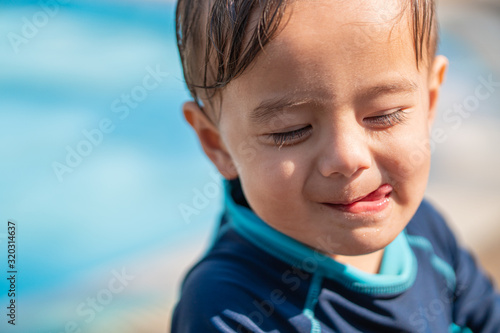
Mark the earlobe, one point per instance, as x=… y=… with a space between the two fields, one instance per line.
x=436 y=79
x=210 y=139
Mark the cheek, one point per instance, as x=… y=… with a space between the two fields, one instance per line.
x=272 y=184
x=272 y=171
x=264 y=171
x=286 y=169
x=407 y=162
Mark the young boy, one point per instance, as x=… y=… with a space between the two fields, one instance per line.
x=318 y=115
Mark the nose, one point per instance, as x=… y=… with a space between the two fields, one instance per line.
x=346 y=152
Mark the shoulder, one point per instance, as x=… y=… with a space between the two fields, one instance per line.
x=430 y=225
x=427 y=219
x=211 y=287
x=228 y=282
x=435 y=245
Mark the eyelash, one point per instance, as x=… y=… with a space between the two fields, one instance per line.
x=390 y=119
x=387 y=120
x=282 y=139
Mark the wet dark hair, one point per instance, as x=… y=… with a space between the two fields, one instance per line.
x=217 y=40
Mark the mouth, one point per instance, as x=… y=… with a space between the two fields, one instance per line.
x=373 y=202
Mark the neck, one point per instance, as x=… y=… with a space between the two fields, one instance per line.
x=369 y=263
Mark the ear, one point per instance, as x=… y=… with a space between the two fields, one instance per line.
x=210 y=139
x=436 y=79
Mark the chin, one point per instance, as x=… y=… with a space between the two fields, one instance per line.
x=367 y=242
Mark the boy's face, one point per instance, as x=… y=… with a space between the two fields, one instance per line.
x=332 y=111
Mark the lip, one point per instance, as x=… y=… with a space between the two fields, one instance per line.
x=373 y=202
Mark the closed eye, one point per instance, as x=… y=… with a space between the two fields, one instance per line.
x=388 y=120
x=290 y=138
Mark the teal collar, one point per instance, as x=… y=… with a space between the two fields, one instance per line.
x=397 y=272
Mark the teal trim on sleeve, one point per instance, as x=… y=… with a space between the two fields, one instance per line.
x=399 y=264
x=454 y=328
x=312 y=300
x=439 y=264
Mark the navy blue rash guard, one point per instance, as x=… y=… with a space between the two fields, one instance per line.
x=256 y=279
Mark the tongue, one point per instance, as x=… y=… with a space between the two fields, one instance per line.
x=378 y=194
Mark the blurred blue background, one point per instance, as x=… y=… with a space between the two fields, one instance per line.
x=117 y=205
x=97 y=164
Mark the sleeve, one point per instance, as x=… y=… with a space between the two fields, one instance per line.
x=477 y=303
x=219 y=301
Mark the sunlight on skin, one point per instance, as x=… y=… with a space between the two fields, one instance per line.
x=313 y=110
x=287 y=167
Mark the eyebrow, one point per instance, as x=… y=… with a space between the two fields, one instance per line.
x=396 y=87
x=273 y=107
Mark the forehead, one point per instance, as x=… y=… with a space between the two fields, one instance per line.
x=330 y=48
x=334 y=20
